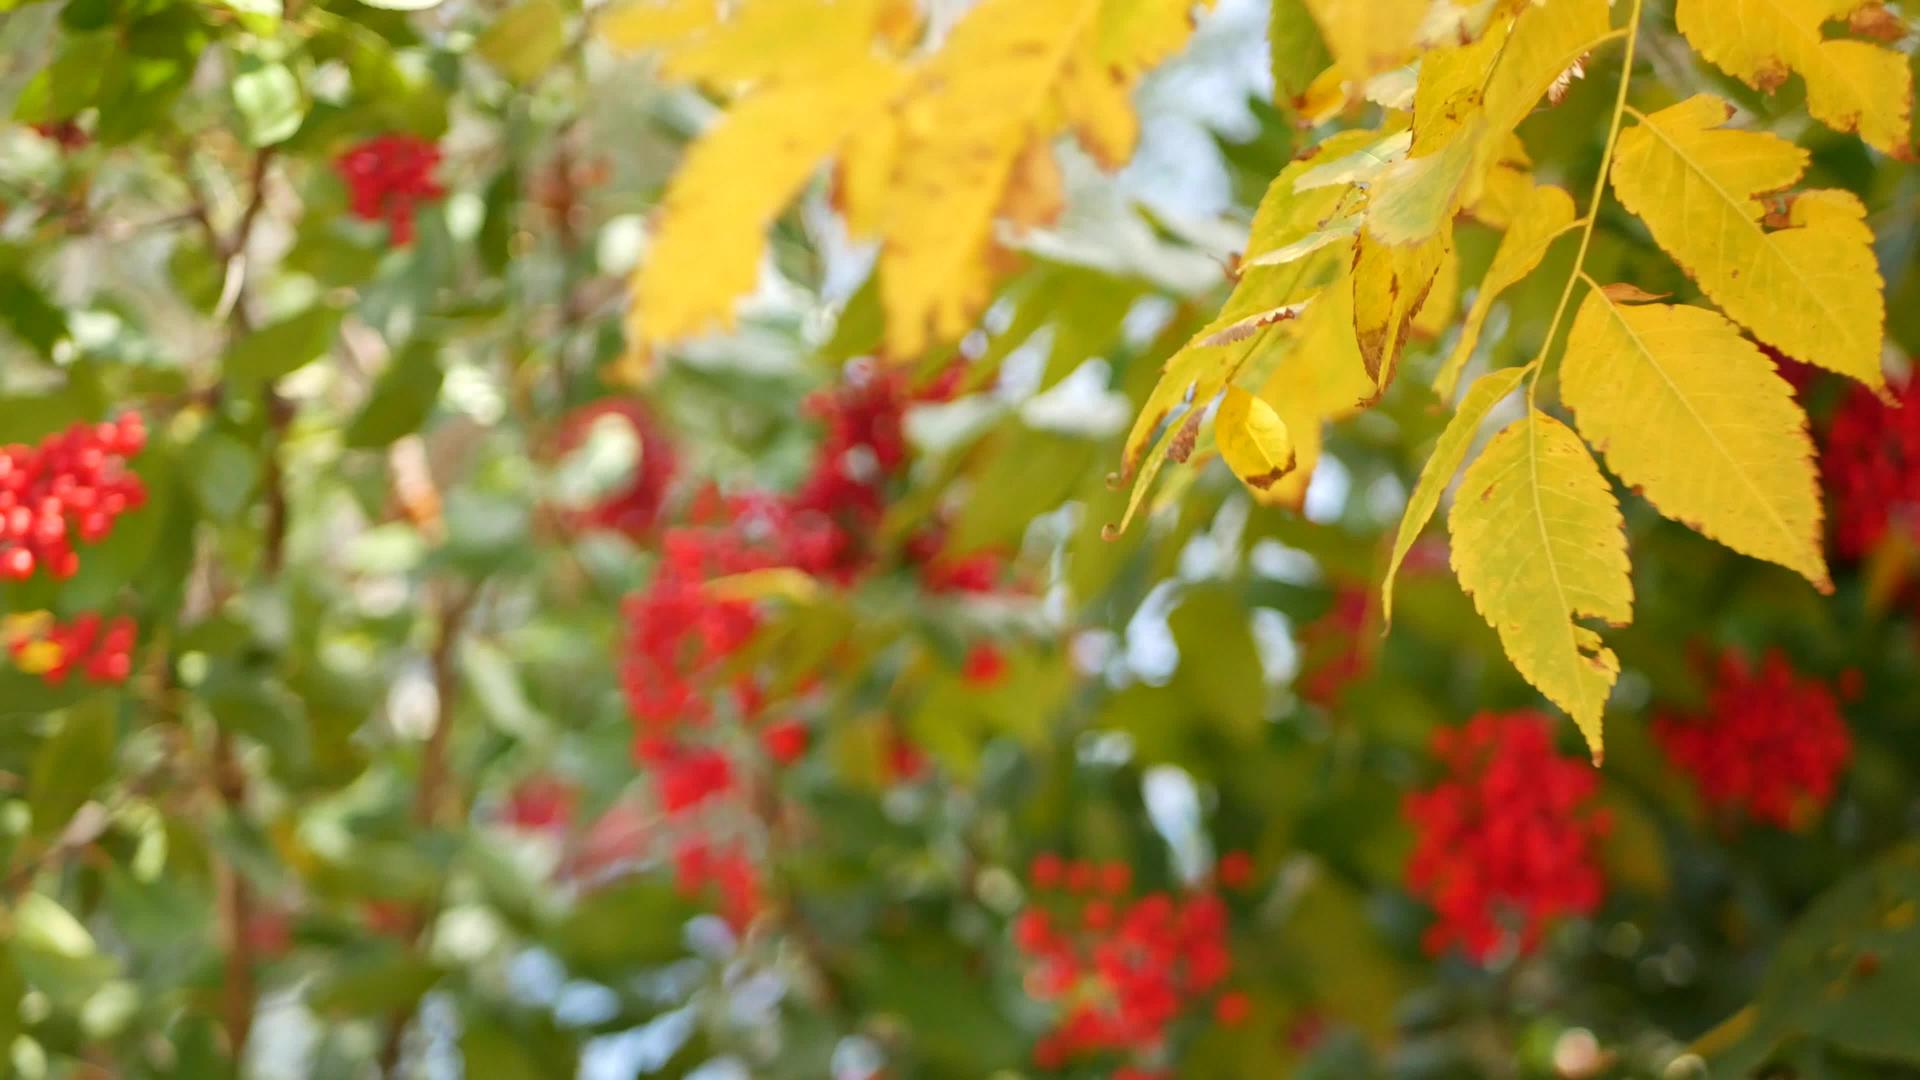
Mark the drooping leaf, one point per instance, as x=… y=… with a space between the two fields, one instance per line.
x=1851 y=85
x=1542 y=217
x=738 y=177
x=1811 y=289
x=1539 y=544
x=1390 y=285
x=1693 y=415
x=1011 y=72
x=1253 y=439
x=1457 y=438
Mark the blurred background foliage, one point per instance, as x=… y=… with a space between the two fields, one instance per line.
x=369 y=804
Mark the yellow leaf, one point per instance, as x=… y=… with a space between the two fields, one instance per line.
x=1011 y=72
x=1694 y=416
x=1443 y=299
x=1264 y=297
x=1811 y=290
x=1851 y=85
x=1537 y=221
x=778 y=40
x=1486 y=392
x=650 y=24
x=1253 y=439
x=1389 y=286
x=1367 y=37
x=1317 y=380
x=38 y=657
x=1539 y=543
x=1473 y=99
x=1289 y=214
x=736 y=179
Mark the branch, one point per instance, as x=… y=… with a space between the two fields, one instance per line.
x=427 y=796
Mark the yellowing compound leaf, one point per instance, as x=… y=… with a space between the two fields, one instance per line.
x=1486 y=392
x=1851 y=85
x=1694 y=416
x=735 y=180
x=1012 y=72
x=1537 y=221
x=1253 y=440
x=1471 y=99
x=1811 y=290
x=1539 y=543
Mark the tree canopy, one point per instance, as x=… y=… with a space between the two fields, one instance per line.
x=1017 y=538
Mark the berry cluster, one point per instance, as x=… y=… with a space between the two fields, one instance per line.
x=1508 y=841
x=680 y=667
x=1771 y=745
x=1121 y=969
x=1333 y=647
x=74 y=483
x=1871 y=461
x=387 y=176
x=100 y=650
x=635 y=509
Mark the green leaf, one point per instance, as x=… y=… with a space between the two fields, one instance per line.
x=72 y=764
x=284 y=347
x=634 y=924
x=80 y=76
x=224 y=472
x=402 y=399
x=1297 y=52
x=376 y=980
x=1847 y=973
x=26 y=311
x=269 y=100
x=525 y=40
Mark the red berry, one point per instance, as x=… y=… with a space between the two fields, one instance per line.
x=785 y=741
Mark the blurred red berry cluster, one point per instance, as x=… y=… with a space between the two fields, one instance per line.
x=1871 y=463
x=1333 y=651
x=1121 y=969
x=387 y=176
x=72 y=484
x=636 y=508
x=1771 y=744
x=99 y=650
x=1508 y=841
x=680 y=663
